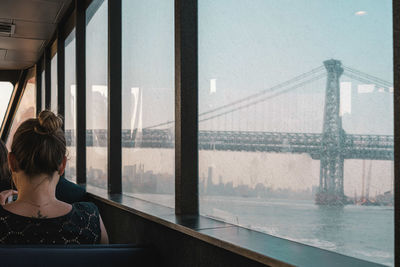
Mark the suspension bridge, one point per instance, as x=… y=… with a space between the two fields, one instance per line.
x=331 y=146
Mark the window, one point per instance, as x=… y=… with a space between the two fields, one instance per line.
x=6 y=89
x=148 y=100
x=96 y=93
x=270 y=160
x=26 y=108
x=54 y=91
x=70 y=106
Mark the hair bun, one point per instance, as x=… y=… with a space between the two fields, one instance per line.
x=48 y=123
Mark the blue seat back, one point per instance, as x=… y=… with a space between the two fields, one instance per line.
x=76 y=255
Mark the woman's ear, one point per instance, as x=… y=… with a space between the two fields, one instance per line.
x=12 y=162
x=62 y=166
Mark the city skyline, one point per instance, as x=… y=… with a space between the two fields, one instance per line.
x=277 y=171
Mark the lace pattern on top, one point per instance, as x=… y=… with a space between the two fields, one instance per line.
x=80 y=226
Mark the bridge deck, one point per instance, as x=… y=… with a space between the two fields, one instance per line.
x=378 y=147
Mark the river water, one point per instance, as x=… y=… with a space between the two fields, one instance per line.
x=358 y=231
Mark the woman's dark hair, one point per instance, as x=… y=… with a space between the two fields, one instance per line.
x=39 y=144
x=4 y=170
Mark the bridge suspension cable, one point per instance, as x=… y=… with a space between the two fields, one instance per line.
x=271 y=89
x=265 y=98
x=363 y=80
x=364 y=77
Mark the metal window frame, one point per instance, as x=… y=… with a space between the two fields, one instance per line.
x=80 y=68
x=60 y=75
x=38 y=87
x=42 y=83
x=114 y=80
x=67 y=24
x=53 y=48
x=47 y=77
x=396 y=110
x=186 y=108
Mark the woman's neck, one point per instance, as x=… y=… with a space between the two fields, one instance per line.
x=38 y=190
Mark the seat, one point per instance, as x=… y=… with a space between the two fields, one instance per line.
x=76 y=255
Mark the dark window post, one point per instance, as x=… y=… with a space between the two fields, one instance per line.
x=186 y=108
x=396 y=71
x=47 y=77
x=80 y=60
x=61 y=75
x=114 y=149
x=38 y=87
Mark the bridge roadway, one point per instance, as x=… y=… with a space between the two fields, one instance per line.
x=354 y=146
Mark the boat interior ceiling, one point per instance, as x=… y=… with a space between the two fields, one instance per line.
x=26 y=27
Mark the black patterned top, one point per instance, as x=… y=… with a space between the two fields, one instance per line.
x=80 y=226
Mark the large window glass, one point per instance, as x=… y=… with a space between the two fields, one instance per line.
x=296 y=121
x=6 y=89
x=54 y=91
x=148 y=100
x=96 y=93
x=70 y=106
x=26 y=108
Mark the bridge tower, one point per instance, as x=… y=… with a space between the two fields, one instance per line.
x=332 y=162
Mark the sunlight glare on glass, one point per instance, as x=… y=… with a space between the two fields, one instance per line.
x=361 y=13
x=5 y=92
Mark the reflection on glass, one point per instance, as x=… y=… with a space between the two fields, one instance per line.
x=54 y=91
x=147 y=100
x=6 y=89
x=296 y=121
x=70 y=106
x=26 y=108
x=96 y=93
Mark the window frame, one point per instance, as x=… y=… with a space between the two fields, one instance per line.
x=53 y=53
